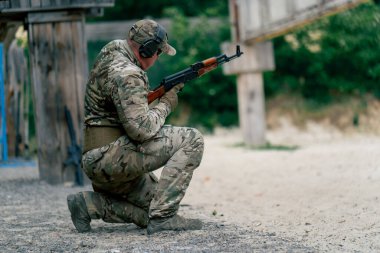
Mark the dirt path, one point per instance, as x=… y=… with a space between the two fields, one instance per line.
x=323 y=196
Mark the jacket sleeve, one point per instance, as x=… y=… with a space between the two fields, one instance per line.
x=129 y=95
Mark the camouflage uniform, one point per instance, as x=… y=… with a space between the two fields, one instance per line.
x=125 y=189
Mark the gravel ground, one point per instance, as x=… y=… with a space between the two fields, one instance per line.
x=34 y=218
x=322 y=197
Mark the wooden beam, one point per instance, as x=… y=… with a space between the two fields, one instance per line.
x=45 y=3
x=4 y=4
x=59 y=70
x=49 y=17
x=17 y=6
x=256 y=58
x=46 y=92
x=69 y=86
x=252 y=108
x=24 y=4
x=295 y=22
x=35 y=3
x=79 y=50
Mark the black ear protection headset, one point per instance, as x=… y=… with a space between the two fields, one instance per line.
x=149 y=47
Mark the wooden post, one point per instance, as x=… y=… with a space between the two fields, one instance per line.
x=252 y=108
x=256 y=59
x=59 y=70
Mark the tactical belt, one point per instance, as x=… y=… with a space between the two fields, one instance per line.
x=99 y=136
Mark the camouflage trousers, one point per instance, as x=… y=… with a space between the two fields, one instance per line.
x=126 y=190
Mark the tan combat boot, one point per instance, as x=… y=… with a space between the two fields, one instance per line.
x=79 y=214
x=175 y=223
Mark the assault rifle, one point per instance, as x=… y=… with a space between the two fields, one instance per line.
x=195 y=70
x=74 y=151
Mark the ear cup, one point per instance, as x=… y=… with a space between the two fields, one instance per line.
x=150 y=46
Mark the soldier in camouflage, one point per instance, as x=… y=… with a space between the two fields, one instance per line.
x=125 y=140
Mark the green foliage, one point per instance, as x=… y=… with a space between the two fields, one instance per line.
x=125 y=9
x=335 y=56
x=212 y=97
x=93 y=49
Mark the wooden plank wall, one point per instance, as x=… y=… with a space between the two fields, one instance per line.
x=4 y=4
x=59 y=70
x=107 y=31
x=58 y=3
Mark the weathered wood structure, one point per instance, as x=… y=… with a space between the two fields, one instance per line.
x=254 y=23
x=58 y=61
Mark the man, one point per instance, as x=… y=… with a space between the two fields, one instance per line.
x=125 y=140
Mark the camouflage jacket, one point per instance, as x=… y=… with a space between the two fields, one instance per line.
x=116 y=94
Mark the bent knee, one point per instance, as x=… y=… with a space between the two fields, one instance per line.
x=196 y=147
x=196 y=140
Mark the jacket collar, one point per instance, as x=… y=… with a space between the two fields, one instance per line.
x=130 y=54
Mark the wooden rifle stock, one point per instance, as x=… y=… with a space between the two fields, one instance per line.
x=155 y=94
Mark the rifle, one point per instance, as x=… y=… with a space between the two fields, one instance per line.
x=195 y=70
x=74 y=150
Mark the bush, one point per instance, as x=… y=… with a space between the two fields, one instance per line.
x=336 y=56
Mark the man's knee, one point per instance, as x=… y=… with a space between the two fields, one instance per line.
x=197 y=141
x=196 y=146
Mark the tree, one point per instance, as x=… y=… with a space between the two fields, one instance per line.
x=335 y=56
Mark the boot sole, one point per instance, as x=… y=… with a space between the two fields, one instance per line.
x=71 y=199
x=196 y=225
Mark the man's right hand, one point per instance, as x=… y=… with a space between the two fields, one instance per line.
x=170 y=98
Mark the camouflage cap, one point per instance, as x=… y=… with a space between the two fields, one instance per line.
x=146 y=29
